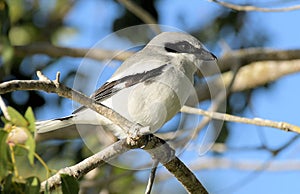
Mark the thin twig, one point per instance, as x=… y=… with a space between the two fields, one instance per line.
x=231 y=118
x=161 y=151
x=254 y=8
x=219 y=163
x=257 y=171
x=142 y=14
x=217 y=103
x=4 y=109
x=87 y=164
x=220 y=97
x=151 y=177
x=58 y=51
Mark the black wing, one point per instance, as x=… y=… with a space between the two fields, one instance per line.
x=110 y=88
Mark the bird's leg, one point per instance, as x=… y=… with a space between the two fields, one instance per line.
x=135 y=132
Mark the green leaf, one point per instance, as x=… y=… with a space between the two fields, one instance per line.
x=4 y=155
x=32 y=185
x=29 y=116
x=47 y=190
x=30 y=144
x=7 y=184
x=16 y=118
x=10 y=185
x=4 y=120
x=69 y=184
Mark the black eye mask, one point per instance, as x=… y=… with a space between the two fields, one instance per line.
x=180 y=47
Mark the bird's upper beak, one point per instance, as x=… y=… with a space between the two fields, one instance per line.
x=205 y=55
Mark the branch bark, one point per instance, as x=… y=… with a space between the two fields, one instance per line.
x=87 y=164
x=255 y=121
x=214 y=163
x=155 y=146
x=250 y=76
x=246 y=56
x=239 y=57
x=141 y=13
x=58 y=51
x=254 y=8
x=44 y=84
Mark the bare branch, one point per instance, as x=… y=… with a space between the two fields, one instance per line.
x=88 y=164
x=231 y=118
x=151 y=177
x=254 y=8
x=239 y=57
x=260 y=73
x=53 y=87
x=250 y=76
x=162 y=152
x=214 y=163
x=217 y=102
x=57 y=51
x=246 y=56
x=155 y=146
x=141 y=13
x=4 y=109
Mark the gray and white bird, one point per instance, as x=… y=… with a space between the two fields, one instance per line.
x=149 y=88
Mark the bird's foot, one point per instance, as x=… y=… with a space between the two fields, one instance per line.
x=135 y=133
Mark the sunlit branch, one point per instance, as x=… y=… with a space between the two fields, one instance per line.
x=88 y=164
x=58 y=51
x=217 y=163
x=254 y=8
x=231 y=118
x=156 y=147
x=250 y=76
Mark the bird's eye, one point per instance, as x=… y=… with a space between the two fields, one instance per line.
x=184 y=47
x=181 y=47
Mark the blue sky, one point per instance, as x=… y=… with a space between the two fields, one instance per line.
x=280 y=102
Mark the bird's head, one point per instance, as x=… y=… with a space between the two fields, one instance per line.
x=178 y=44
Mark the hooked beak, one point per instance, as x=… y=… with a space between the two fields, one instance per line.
x=206 y=55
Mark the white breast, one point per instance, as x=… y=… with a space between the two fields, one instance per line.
x=153 y=103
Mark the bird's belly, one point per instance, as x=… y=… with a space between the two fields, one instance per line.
x=149 y=105
x=158 y=103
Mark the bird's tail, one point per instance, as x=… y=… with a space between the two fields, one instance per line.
x=61 y=128
x=54 y=124
x=75 y=126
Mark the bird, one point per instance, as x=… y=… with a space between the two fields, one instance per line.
x=149 y=88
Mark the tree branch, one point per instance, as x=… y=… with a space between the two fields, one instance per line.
x=88 y=164
x=215 y=163
x=250 y=76
x=3 y=108
x=141 y=13
x=155 y=146
x=261 y=73
x=161 y=151
x=246 y=56
x=239 y=57
x=151 y=177
x=58 y=51
x=254 y=8
x=44 y=84
x=255 y=121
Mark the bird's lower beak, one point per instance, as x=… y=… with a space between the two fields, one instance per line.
x=206 y=55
